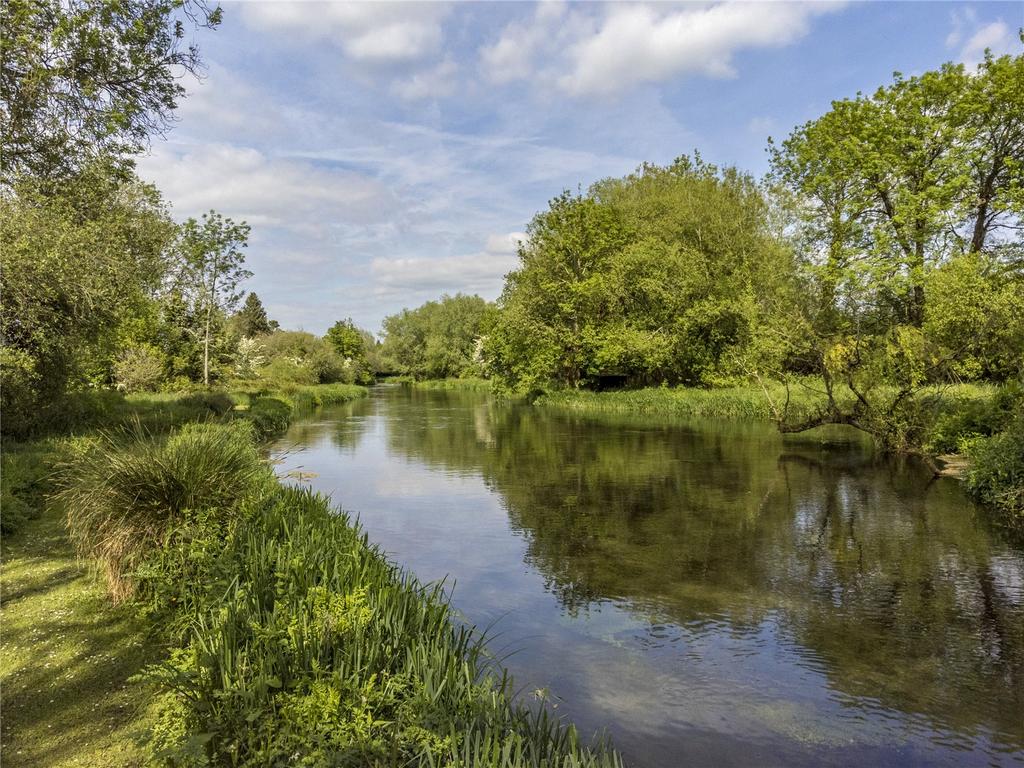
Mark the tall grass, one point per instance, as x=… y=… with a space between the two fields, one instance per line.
x=805 y=398
x=122 y=500
x=305 y=646
x=467 y=384
x=730 y=402
x=296 y=641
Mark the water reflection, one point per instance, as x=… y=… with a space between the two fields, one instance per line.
x=710 y=592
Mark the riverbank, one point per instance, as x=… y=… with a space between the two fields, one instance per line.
x=348 y=659
x=977 y=428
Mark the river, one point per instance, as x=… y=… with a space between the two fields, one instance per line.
x=708 y=593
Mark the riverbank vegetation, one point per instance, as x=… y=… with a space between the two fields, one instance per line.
x=347 y=658
x=874 y=279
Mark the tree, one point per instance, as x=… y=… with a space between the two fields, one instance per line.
x=78 y=264
x=347 y=340
x=85 y=78
x=211 y=270
x=660 y=276
x=910 y=207
x=438 y=339
x=251 y=320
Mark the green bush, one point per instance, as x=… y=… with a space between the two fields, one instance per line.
x=23 y=473
x=122 y=499
x=139 y=369
x=270 y=416
x=996 y=476
x=962 y=419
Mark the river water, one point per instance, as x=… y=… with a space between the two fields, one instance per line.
x=707 y=593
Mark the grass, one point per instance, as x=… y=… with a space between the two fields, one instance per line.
x=304 y=645
x=66 y=656
x=121 y=501
x=752 y=402
x=256 y=624
x=467 y=384
x=748 y=402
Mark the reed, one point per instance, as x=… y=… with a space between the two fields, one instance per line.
x=304 y=645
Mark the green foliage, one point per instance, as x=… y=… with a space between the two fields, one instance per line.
x=23 y=482
x=81 y=78
x=139 y=369
x=270 y=416
x=209 y=271
x=251 y=319
x=657 y=277
x=902 y=201
x=356 y=348
x=437 y=340
x=78 y=265
x=297 y=357
x=996 y=476
x=122 y=500
x=346 y=660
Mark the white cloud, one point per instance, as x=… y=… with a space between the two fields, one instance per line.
x=638 y=43
x=426 y=277
x=513 y=56
x=266 y=191
x=372 y=33
x=433 y=83
x=995 y=37
x=761 y=125
x=973 y=38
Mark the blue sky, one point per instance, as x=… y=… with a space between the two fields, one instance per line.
x=386 y=153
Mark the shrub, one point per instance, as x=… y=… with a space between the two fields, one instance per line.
x=996 y=476
x=122 y=500
x=270 y=416
x=139 y=369
x=23 y=471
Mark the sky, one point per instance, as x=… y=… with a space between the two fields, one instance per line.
x=387 y=153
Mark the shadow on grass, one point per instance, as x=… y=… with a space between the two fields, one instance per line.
x=66 y=655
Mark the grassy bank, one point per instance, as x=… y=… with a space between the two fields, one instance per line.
x=66 y=658
x=292 y=640
x=468 y=384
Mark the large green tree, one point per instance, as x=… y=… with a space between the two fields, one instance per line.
x=909 y=209
x=79 y=265
x=660 y=276
x=83 y=78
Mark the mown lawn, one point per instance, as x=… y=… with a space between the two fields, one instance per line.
x=65 y=658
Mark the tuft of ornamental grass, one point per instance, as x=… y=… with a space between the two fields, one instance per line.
x=122 y=499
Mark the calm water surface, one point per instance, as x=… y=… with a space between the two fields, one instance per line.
x=709 y=593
